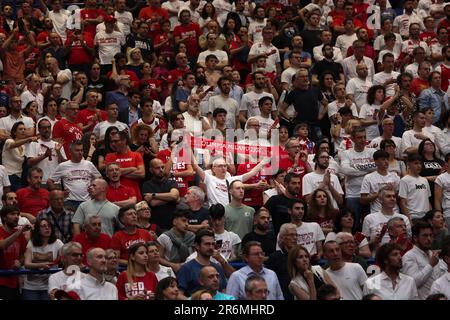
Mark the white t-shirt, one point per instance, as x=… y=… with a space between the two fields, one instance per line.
x=67 y=87
x=272 y=59
x=358 y=88
x=416 y=191
x=220 y=55
x=287 y=74
x=443 y=180
x=126 y=19
x=249 y=103
x=76 y=177
x=4 y=181
x=373 y=182
x=379 y=44
x=255 y=29
x=229 y=240
x=308 y=234
x=374 y=222
x=59 y=20
x=334 y=107
x=101 y=127
x=369 y=112
x=349 y=280
x=108 y=45
x=381 y=77
x=47 y=253
x=61 y=281
x=164 y=272
x=311 y=181
x=409 y=140
x=344 y=42
x=35 y=149
x=216 y=189
x=355 y=165
x=228 y=104
x=403 y=21
x=375 y=143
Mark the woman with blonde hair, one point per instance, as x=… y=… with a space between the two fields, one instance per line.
x=306 y=279
x=135 y=61
x=136 y=283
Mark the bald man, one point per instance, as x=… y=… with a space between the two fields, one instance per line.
x=98 y=205
x=161 y=195
x=93 y=286
x=209 y=279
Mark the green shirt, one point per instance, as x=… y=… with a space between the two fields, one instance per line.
x=239 y=220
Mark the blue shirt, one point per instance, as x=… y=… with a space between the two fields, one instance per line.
x=236 y=283
x=190 y=272
x=223 y=296
x=437 y=99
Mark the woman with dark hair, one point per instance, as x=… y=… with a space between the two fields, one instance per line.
x=369 y=111
x=99 y=155
x=436 y=219
x=42 y=253
x=13 y=154
x=326 y=83
x=89 y=146
x=395 y=165
x=136 y=283
x=61 y=106
x=306 y=279
x=144 y=142
x=432 y=166
x=31 y=110
x=344 y=222
x=321 y=210
x=230 y=29
x=207 y=14
x=167 y=289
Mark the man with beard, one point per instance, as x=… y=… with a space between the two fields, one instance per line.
x=12 y=250
x=188 y=276
x=142 y=41
x=390 y=284
x=421 y=262
x=93 y=286
x=249 y=106
x=261 y=232
x=223 y=100
x=161 y=195
x=45 y=153
x=187 y=32
x=278 y=205
x=322 y=178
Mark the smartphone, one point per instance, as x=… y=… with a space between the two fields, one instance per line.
x=146 y=144
x=219 y=244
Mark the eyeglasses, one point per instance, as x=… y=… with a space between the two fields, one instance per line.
x=76 y=255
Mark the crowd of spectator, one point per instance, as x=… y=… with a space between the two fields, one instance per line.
x=225 y=150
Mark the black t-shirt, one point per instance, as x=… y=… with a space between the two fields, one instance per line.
x=431 y=168
x=278 y=207
x=197 y=217
x=325 y=65
x=306 y=103
x=277 y=262
x=161 y=215
x=268 y=241
x=311 y=39
x=145 y=44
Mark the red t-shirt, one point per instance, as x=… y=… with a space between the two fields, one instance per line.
x=121 y=241
x=417 y=85
x=369 y=51
x=9 y=255
x=154 y=84
x=253 y=197
x=103 y=241
x=286 y=163
x=31 y=201
x=140 y=285
x=69 y=132
x=192 y=30
x=428 y=37
x=91 y=14
x=119 y=194
x=237 y=63
x=178 y=166
x=129 y=159
x=86 y=115
x=176 y=74
x=78 y=54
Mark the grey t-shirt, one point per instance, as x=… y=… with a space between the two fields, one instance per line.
x=107 y=211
